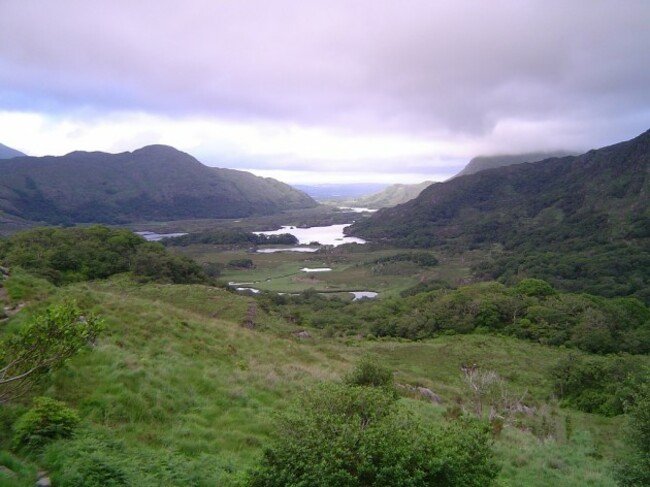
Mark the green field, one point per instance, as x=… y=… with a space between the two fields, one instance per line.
x=351 y=271
x=178 y=392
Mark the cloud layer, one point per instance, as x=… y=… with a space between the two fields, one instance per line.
x=456 y=77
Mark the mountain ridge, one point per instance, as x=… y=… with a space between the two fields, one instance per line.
x=481 y=163
x=151 y=183
x=436 y=213
x=7 y=152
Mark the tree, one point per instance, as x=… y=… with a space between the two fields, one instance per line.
x=43 y=345
x=634 y=470
x=348 y=436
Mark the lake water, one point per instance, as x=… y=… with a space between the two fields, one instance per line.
x=287 y=249
x=155 y=237
x=357 y=209
x=364 y=295
x=329 y=235
x=357 y=294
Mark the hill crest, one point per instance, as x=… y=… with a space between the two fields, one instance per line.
x=152 y=183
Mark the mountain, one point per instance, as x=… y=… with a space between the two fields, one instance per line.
x=153 y=183
x=481 y=163
x=611 y=183
x=395 y=194
x=8 y=152
x=581 y=222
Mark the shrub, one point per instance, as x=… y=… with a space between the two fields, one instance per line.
x=43 y=345
x=367 y=372
x=241 y=263
x=46 y=421
x=634 y=468
x=347 y=436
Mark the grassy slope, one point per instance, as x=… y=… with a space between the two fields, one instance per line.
x=281 y=272
x=175 y=373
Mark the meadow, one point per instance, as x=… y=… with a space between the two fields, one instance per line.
x=178 y=392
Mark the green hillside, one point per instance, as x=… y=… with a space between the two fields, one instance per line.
x=152 y=183
x=580 y=222
x=177 y=392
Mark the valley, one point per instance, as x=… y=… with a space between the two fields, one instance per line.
x=215 y=329
x=324 y=244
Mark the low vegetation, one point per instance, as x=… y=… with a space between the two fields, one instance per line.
x=231 y=237
x=194 y=385
x=65 y=255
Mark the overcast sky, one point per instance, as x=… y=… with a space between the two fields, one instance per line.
x=315 y=91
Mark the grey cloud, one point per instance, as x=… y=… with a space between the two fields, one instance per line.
x=415 y=65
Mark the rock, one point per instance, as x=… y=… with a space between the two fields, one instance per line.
x=7 y=472
x=302 y=334
x=432 y=396
x=43 y=480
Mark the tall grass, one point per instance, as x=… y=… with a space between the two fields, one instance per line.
x=178 y=392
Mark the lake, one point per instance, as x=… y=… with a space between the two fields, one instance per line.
x=357 y=209
x=155 y=237
x=329 y=235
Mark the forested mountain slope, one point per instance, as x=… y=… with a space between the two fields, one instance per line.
x=578 y=218
x=153 y=183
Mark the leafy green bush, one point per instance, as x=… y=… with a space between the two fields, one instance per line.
x=634 y=467
x=347 y=436
x=43 y=345
x=368 y=372
x=534 y=287
x=601 y=385
x=424 y=259
x=235 y=236
x=152 y=262
x=241 y=263
x=46 y=421
x=65 y=255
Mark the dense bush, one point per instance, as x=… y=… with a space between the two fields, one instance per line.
x=241 y=264
x=46 y=421
x=531 y=310
x=369 y=373
x=348 y=436
x=152 y=262
x=424 y=259
x=602 y=385
x=233 y=236
x=70 y=255
x=609 y=269
x=634 y=466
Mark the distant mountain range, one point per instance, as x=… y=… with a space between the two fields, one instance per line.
x=393 y=195
x=580 y=222
x=8 y=152
x=609 y=185
x=153 y=183
x=339 y=192
x=397 y=194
